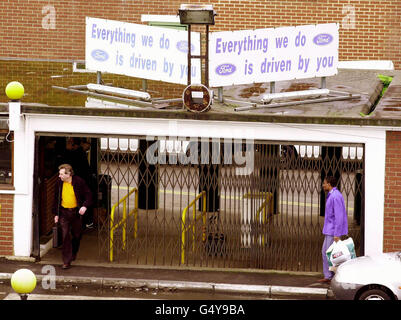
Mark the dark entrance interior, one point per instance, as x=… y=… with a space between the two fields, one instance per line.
x=203 y=213
x=50 y=152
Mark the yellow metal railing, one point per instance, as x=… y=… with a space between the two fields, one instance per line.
x=194 y=219
x=123 y=221
x=268 y=202
x=265 y=210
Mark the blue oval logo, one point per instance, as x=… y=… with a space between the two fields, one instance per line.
x=183 y=46
x=225 y=69
x=323 y=39
x=99 y=55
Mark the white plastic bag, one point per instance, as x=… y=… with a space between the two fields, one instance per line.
x=351 y=247
x=338 y=253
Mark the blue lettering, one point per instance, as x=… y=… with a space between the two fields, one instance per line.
x=225 y=46
x=147 y=41
x=230 y=46
x=324 y=62
x=94 y=31
x=218 y=45
x=247 y=44
x=137 y=62
x=281 y=42
x=276 y=66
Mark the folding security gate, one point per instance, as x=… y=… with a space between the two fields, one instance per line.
x=221 y=203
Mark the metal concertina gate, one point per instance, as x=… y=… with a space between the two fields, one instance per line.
x=201 y=204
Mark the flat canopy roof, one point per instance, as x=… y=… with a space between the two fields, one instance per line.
x=364 y=84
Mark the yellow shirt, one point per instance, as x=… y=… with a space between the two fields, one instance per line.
x=68 y=199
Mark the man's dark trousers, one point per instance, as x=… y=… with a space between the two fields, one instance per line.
x=70 y=221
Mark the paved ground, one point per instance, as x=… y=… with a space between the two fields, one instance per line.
x=266 y=284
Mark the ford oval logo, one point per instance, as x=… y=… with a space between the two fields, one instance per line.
x=225 y=69
x=183 y=46
x=323 y=39
x=99 y=55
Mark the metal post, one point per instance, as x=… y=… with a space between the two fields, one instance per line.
x=148 y=177
x=358 y=204
x=208 y=170
x=272 y=87
x=144 y=85
x=323 y=83
x=36 y=191
x=207 y=58
x=220 y=94
x=98 y=77
x=189 y=54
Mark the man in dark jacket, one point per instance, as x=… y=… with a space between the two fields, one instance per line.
x=72 y=199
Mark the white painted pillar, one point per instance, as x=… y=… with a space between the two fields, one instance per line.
x=375 y=163
x=23 y=173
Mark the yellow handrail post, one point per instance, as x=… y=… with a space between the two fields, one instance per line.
x=123 y=221
x=193 y=227
x=204 y=217
x=264 y=218
x=183 y=235
x=267 y=201
x=183 y=220
x=111 y=233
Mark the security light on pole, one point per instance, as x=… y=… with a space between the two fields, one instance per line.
x=200 y=15
x=196 y=14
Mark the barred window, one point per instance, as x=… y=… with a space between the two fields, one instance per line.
x=6 y=158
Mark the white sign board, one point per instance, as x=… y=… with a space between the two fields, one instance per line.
x=141 y=51
x=275 y=54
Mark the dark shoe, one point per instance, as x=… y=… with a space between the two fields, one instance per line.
x=324 y=280
x=66 y=266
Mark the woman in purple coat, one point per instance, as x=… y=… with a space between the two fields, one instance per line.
x=335 y=222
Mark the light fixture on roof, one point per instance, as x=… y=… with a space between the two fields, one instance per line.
x=119 y=91
x=196 y=14
x=197 y=98
x=267 y=98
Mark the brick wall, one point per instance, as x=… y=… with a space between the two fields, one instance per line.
x=368 y=29
x=6 y=225
x=392 y=196
x=36 y=76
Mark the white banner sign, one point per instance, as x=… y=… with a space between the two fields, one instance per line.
x=141 y=51
x=276 y=54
